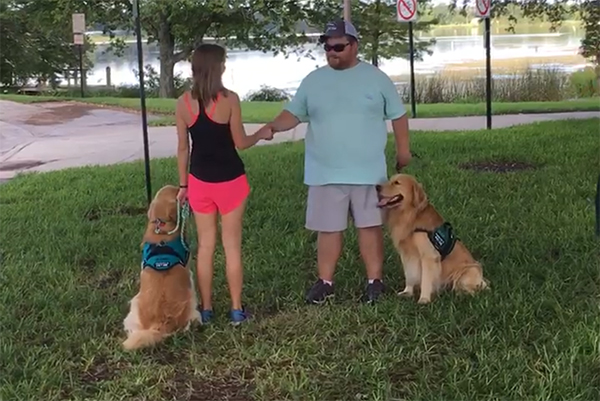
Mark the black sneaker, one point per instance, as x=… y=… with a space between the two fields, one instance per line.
x=319 y=292
x=374 y=291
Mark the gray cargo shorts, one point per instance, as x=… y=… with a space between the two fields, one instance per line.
x=328 y=206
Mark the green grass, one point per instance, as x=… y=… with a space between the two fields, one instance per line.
x=70 y=263
x=261 y=112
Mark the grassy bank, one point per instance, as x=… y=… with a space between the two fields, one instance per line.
x=260 y=112
x=70 y=263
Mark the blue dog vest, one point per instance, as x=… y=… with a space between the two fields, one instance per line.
x=164 y=255
x=442 y=239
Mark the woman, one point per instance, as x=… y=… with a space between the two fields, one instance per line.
x=216 y=182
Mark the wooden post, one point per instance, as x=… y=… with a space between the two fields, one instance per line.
x=108 y=83
x=347 y=8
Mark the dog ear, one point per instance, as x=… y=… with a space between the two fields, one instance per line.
x=419 y=197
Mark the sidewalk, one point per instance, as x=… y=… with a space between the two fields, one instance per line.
x=45 y=137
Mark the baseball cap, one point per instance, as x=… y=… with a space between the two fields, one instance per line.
x=337 y=29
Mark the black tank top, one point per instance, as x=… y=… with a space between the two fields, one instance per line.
x=214 y=157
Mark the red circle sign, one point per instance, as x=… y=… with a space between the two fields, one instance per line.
x=485 y=4
x=404 y=9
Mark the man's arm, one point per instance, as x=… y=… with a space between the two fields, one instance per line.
x=294 y=112
x=284 y=121
x=400 y=128
x=395 y=111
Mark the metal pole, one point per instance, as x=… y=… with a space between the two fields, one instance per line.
x=138 y=34
x=488 y=66
x=347 y=8
x=81 y=68
x=598 y=207
x=411 y=44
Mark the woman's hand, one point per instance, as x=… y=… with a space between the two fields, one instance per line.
x=182 y=195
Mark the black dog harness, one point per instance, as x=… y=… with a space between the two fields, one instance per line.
x=442 y=239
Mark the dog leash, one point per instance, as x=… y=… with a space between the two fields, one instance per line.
x=183 y=213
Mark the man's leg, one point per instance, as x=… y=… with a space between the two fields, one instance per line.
x=368 y=221
x=327 y=213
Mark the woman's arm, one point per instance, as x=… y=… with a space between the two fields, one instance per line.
x=183 y=143
x=241 y=140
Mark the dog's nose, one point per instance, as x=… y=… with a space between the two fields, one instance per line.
x=378 y=188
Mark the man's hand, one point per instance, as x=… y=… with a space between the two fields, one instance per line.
x=402 y=159
x=265 y=132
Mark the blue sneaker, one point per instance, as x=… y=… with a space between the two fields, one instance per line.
x=238 y=316
x=207 y=316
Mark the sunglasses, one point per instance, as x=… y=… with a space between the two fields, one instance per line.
x=338 y=47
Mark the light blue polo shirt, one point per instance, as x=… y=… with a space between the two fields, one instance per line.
x=346 y=111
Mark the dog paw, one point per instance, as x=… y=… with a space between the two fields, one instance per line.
x=405 y=294
x=424 y=301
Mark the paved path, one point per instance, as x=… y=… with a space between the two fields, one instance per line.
x=52 y=136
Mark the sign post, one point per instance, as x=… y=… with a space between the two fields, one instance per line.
x=482 y=11
x=140 y=52
x=78 y=32
x=406 y=11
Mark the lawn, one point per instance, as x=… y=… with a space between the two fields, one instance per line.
x=261 y=112
x=70 y=263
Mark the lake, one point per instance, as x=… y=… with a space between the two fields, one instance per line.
x=249 y=70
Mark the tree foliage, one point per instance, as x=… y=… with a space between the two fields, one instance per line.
x=178 y=26
x=37 y=36
x=381 y=35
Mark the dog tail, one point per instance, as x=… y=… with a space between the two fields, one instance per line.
x=142 y=339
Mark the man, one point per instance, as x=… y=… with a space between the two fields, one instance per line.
x=346 y=104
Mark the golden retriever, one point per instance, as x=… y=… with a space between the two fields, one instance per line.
x=410 y=218
x=166 y=301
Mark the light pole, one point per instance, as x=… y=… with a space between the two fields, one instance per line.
x=140 y=52
x=347 y=7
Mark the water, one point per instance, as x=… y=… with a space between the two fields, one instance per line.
x=249 y=70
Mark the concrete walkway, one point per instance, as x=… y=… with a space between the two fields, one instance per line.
x=53 y=136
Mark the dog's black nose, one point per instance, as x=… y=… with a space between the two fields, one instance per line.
x=378 y=188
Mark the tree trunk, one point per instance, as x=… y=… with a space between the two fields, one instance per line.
x=166 y=43
x=375 y=59
x=598 y=71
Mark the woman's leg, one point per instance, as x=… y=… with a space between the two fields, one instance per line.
x=206 y=224
x=231 y=231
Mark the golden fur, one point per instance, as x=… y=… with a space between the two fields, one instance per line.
x=166 y=301
x=406 y=207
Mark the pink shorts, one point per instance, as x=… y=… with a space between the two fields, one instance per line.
x=208 y=197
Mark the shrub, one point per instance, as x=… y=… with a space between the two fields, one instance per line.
x=268 y=94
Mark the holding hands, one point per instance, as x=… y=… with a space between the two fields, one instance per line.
x=265 y=132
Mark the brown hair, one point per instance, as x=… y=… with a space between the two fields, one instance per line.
x=207 y=62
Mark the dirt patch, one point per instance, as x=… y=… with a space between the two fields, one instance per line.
x=99 y=370
x=109 y=279
x=131 y=210
x=87 y=262
x=21 y=164
x=186 y=387
x=96 y=213
x=498 y=166
x=60 y=114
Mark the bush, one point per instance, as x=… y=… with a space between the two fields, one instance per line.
x=584 y=82
x=268 y=94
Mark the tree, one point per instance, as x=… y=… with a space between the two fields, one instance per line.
x=37 y=36
x=381 y=36
x=178 y=26
x=590 y=45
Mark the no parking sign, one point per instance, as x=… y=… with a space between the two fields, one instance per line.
x=406 y=10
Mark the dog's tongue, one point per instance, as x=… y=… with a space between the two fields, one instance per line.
x=383 y=202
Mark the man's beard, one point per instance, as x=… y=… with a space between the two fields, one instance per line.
x=336 y=63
